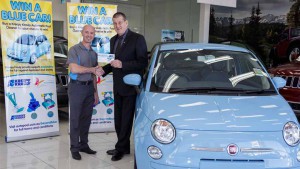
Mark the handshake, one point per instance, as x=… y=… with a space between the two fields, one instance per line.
x=98 y=71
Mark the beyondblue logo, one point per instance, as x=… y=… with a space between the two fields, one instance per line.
x=17 y=117
x=19 y=82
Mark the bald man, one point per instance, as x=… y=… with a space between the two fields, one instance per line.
x=82 y=91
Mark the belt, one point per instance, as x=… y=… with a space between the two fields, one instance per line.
x=82 y=82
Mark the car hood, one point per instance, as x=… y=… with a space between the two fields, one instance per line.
x=287 y=69
x=228 y=113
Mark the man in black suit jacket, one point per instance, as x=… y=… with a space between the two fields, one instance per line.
x=130 y=51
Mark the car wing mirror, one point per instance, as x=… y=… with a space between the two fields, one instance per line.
x=279 y=82
x=133 y=80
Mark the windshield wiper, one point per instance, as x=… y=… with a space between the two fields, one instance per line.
x=259 y=91
x=220 y=90
x=205 y=90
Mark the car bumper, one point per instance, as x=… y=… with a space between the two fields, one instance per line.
x=19 y=59
x=208 y=150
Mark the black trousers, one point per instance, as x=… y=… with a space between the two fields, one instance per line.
x=81 y=98
x=124 y=113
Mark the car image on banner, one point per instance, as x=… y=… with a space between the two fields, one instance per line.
x=27 y=48
x=61 y=71
x=211 y=106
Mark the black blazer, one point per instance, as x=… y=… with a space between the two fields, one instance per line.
x=133 y=55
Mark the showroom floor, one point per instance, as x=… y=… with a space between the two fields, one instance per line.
x=53 y=152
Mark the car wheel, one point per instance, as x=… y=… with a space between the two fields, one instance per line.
x=32 y=59
x=294 y=53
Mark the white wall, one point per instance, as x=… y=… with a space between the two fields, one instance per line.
x=149 y=17
x=59 y=13
x=182 y=15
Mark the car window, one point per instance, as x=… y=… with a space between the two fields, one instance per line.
x=196 y=69
x=61 y=47
x=295 y=32
x=26 y=39
x=39 y=40
x=44 y=38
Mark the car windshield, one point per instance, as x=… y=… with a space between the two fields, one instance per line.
x=26 y=40
x=209 y=71
x=61 y=47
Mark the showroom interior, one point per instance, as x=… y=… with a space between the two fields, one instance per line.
x=211 y=22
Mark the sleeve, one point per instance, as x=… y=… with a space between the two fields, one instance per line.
x=107 y=69
x=72 y=56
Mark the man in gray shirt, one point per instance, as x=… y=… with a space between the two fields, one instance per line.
x=82 y=91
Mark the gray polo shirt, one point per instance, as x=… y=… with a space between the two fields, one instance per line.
x=82 y=56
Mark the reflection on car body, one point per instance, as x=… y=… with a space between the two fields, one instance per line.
x=27 y=48
x=211 y=106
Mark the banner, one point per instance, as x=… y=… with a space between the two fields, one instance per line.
x=172 y=36
x=28 y=68
x=99 y=16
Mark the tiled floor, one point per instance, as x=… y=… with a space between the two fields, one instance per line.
x=53 y=152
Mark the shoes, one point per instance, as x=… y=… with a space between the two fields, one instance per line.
x=113 y=151
x=117 y=156
x=88 y=151
x=76 y=155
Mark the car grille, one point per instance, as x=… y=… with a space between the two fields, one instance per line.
x=292 y=81
x=234 y=160
x=295 y=106
x=63 y=79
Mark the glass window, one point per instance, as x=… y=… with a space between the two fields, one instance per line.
x=194 y=70
x=26 y=39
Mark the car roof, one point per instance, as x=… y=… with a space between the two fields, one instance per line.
x=178 y=46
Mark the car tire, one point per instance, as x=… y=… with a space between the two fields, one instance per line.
x=293 y=53
x=33 y=59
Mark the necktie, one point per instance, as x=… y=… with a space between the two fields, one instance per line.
x=119 y=45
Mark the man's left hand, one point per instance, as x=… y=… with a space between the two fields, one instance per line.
x=116 y=63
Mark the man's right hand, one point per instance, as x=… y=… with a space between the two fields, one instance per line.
x=99 y=71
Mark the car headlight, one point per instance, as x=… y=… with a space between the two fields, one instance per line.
x=163 y=131
x=291 y=133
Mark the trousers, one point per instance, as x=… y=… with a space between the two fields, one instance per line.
x=81 y=99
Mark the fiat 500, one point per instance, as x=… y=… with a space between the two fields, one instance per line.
x=211 y=106
x=27 y=48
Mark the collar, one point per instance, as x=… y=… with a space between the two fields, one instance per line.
x=83 y=47
x=124 y=35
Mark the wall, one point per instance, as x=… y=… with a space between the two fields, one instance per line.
x=149 y=17
x=59 y=13
x=180 y=15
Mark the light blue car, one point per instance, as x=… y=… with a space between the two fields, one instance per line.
x=211 y=106
x=27 y=48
